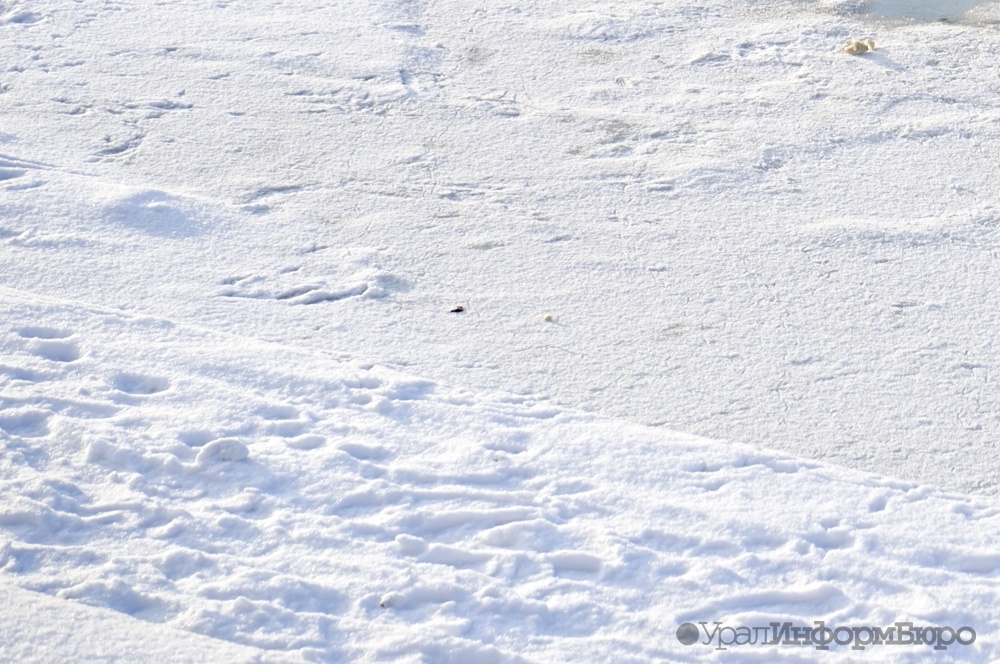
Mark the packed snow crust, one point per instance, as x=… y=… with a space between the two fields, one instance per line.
x=239 y=420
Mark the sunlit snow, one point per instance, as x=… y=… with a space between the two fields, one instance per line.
x=919 y=10
x=495 y=333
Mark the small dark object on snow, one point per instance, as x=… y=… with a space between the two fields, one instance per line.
x=457 y=310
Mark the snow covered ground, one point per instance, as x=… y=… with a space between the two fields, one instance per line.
x=239 y=420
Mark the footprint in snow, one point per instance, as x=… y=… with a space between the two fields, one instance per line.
x=25 y=422
x=50 y=343
x=140 y=384
x=43 y=332
x=56 y=351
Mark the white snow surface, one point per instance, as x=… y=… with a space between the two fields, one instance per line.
x=240 y=422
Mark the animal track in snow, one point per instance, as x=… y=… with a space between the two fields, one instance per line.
x=278 y=412
x=830 y=535
x=574 y=561
x=22 y=17
x=112 y=146
x=306 y=441
x=365 y=452
x=43 y=333
x=25 y=422
x=13 y=176
x=293 y=427
x=50 y=343
x=444 y=554
x=140 y=384
x=22 y=374
x=56 y=351
x=284 y=422
x=369 y=96
x=10 y=234
x=289 y=286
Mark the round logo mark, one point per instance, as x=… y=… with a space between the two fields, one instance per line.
x=687 y=633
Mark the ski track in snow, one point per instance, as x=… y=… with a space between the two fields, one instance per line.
x=229 y=379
